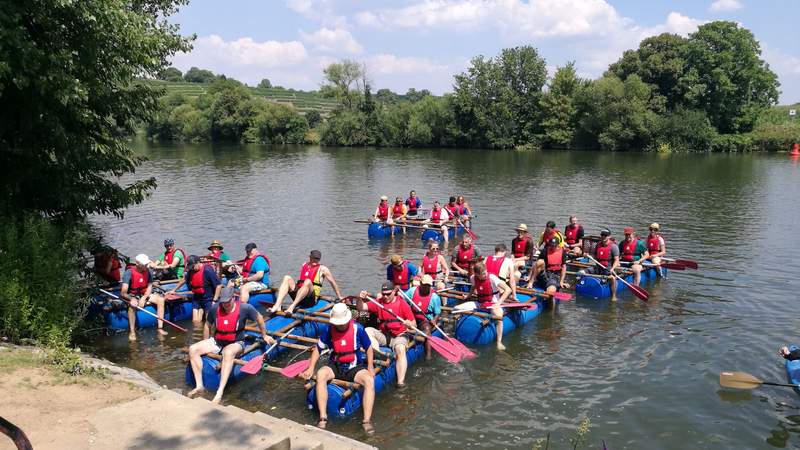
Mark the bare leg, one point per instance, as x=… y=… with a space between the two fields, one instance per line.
x=197 y=316
x=244 y=293
x=657 y=261
x=324 y=375
x=302 y=292
x=426 y=327
x=159 y=301
x=637 y=274
x=613 y=282
x=401 y=365
x=196 y=352
x=229 y=353
x=287 y=284
x=445 y=234
x=367 y=381
x=132 y=323
x=537 y=269
x=498 y=314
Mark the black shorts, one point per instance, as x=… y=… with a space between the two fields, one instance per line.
x=411 y=213
x=200 y=301
x=547 y=279
x=340 y=373
x=597 y=270
x=308 y=301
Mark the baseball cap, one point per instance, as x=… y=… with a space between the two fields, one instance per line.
x=605 y=232
x=250 y=246
x=427 y=279
x=628 y=230
x=142 y=259
x=226 y=294
x=168 y=242
x=315 y=254
x=340 y=314
x=384 y=198
x=192 y=260
x=387 y=286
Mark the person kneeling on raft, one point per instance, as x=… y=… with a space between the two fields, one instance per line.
x=229 y=318
x=350 y=347
x=392 y=331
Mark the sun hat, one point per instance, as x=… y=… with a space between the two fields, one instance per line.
x=215 y=243
x=522 y=227
x=384 y=198
x=427 y=279
x=396 y=260
x=340 y=314
x=655 y=226
x=142 y=259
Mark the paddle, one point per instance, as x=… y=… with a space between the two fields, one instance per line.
x=441 y=346
x=688 y=263
x=742 y=380
x=254 y=365
x=639 y=292
x=469 y=231
x=457 y=345
x=177 y=327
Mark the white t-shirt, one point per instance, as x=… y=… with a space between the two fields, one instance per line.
x=506 y=268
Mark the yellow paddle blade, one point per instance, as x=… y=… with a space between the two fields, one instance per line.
x=739 y=380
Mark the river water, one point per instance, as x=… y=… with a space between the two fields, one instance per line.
x=645 y=375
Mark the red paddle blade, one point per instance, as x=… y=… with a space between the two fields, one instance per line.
x=458 y=346
x=673 y=266
x=640 y=293
x=444 y=349
x=563 y=296
x=519 y=305
x=688 y=263
x=254 y=365
x=295 y=369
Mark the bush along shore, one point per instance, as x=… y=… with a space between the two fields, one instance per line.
x=710 y=91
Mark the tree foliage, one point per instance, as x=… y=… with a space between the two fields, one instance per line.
x=265 y=83
x=195 y=75
x=342 y=82
x=170 y=74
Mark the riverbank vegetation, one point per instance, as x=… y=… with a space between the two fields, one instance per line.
x=709 y=91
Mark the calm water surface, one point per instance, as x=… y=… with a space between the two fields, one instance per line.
x=646 y=375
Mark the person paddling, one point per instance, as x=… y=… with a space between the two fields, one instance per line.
x=606 y=252
x=656 y=246
x=305 y=291
x=137 y=289
x=429 y=307
x=522 y=246
x=171 y=264
x=383 y=213
x=434 y=265
x=253 y=273
x=549 y=232
x=412 y=204
x=465 y=257
x=552 y=278
x=573 y=236
x=502 y=267
x=464 y=210
x=204 y=284
x=633 y=251
x=399 y=212
x=399 y=272
x=438 y=219
x=228 y=318
x=392 y=331
x=351 y=359
x=490 y=292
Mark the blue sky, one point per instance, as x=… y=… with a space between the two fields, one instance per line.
x=423 y=43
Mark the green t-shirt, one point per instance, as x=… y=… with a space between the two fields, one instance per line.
x=181 y=263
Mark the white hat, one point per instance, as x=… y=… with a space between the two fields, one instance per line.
x=383 y=197
x=427 y=279
x=340 y=314
x=522 y=227
x=142 y=259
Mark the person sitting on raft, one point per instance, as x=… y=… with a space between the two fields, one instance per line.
x=633 y=251
x=465 y=256
x=438 y=219
x=549 y=232
x=137 y=289
x=228 y=317
x=434 y=265
x=464 y=210
x=305 y=291
x=502 y=267
x=656 y=246
x=171 y=264
x=490 y=292
x=383 y=213
x=204 y=283
x=108 y=265
x=573 y=237
x=551 y=279
x=399 y=212
x=253 y=273
x=606 y=252
x=412 y=204
x=216 y=257
x=350 y=348
x=400 y=271
x=391 y=331
x=522 y=247
x=429 y=307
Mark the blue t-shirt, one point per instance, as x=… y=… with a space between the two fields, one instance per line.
x=362 y=341
x=434 y=307
x=259 y=264
x=210 y=281
x=412 y=272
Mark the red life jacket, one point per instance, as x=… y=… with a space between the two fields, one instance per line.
x=554 y=259
x=485 y=291
x=494 y=264
x=430 y=266
x=602 y=253
x=571 y=234
x=412 y=204
x=226 y=325
x=422 y=302
x=436 y=215
x=383 y=211
x=654 y=243
x=390 y=324
x=168 y=256
x=397 y=210
x=309 y=272
x=139 y=281
x=248 y=262
x=462 y=209
x=465 y=258
x=628 y=249
x=453 y=209
x=214 y=254
x=519 y=245
x=401 y=278
x=344 y=343
x=196 y=282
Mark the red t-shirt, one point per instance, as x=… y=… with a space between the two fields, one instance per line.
x=389 y=322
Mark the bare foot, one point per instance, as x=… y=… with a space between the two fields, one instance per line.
x=217 y=399
x=289 y=310
x=367 y=426
x=196 y=392
x=500 y=346
x=614 y=298
x=323 y=423
x=162 y=332
x=131 y=336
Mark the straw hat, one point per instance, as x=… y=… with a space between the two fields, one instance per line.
x=522 y=227
x=340 y=314
x=655 y=226
x=215 y=243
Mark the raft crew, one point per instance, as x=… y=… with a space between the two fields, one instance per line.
x=606 y=252
x=383 y=213
x=137 y=288
x=633 y=251
x=573 y=236
x=502 y=267
x=656 y=246
x=522 y=246
x=551 y=279
x=490 y=292
x=204 y=283
x=399 y=212
x=171 y=264
x=350 y=347
x=305 y=291
x=465 y=257
x=228 y=318
x=391 y=332
x=429 y=304
x=434 y=265
x=439 y=218
x=253 y=273
x=400 y=272
x=413 y=203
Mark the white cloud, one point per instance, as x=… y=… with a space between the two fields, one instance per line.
x=725 y=5
x=787 y=67
x=332 y=40
x=388 y=64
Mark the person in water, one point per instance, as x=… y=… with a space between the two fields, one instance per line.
x=137 y=290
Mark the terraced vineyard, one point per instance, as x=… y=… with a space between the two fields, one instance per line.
x=303 y=101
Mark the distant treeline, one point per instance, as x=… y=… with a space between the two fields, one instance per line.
x=710 y=91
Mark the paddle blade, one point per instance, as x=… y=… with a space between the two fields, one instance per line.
x=639 y=292
x=673 y=266
x=254 y=365
x=444 y=349
x=738 y=380
x=519 y=305
x=295 y=369
x=562 y=296
x=688 y=263
x=462 y=349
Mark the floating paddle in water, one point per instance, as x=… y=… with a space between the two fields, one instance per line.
x=639 y=292
x=462 y=350
x=742 y=380
x=255 y=365
x=177 y=327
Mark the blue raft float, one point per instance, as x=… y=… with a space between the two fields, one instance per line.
x=476 y=330
x=377 y=230
x=793 y=370
x=598 y=288
x=437 y=235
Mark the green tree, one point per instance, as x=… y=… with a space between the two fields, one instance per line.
x=189 y=124
x=69 y=97
x=313 y=118
x=230 y=111
x=345 y=128
x=273 y=123
x=414 y=95
x=436 y=115
x=342 y=82
x=195 y=75
x=386 y=97
x=265 y=83
x=685 y=130
x=170 y=74
x=558 y=113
